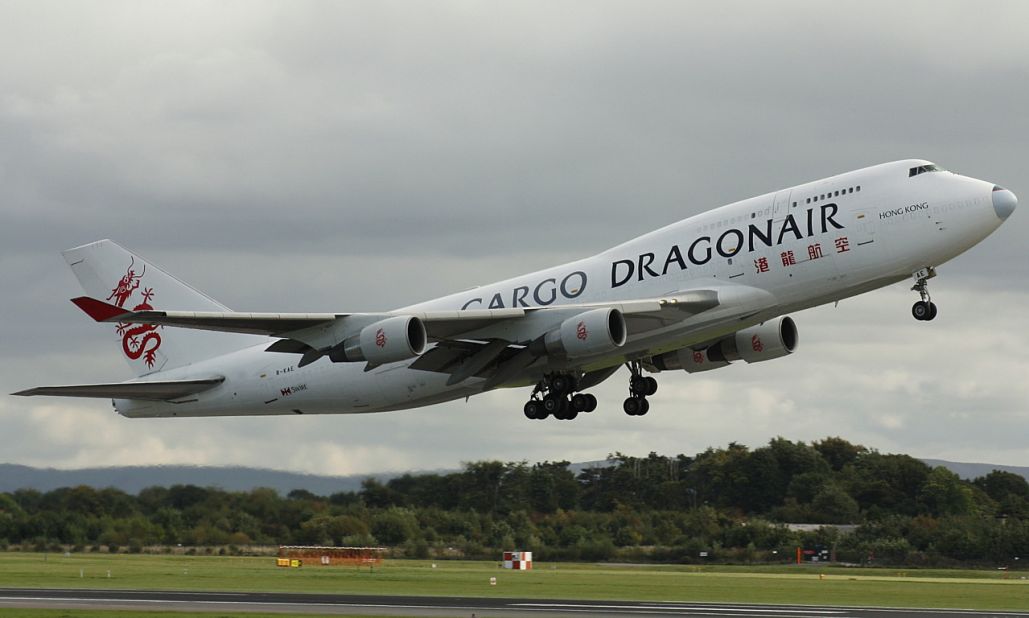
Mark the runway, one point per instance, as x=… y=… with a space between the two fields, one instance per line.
x=435 y=606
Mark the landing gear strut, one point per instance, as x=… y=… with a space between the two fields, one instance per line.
x=924 y=310
x=554 y=396
x=640 y=387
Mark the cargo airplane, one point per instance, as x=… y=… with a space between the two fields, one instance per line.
x=695 y=295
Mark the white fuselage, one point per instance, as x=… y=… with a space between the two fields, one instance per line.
x=806 y=245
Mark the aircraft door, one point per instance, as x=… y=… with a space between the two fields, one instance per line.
x=858 y=250
x=781 y=204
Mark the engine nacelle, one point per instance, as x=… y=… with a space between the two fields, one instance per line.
x=386 y=341
x=691 y=361
x=762 y=342
x=592 y=332
x=755 y=344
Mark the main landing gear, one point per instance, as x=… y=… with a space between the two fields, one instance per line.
x=924 y=310
x=555 y=395
x=640 y=387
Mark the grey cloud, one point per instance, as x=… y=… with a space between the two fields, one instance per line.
x=318 y=156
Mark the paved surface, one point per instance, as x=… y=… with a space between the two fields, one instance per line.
x=435 y=606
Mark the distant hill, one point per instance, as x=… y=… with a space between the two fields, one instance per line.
x=973 y=470
x=131 y=479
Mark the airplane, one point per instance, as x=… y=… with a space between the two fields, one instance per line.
x=694 y=296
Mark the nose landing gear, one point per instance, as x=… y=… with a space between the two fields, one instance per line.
x=923 y=310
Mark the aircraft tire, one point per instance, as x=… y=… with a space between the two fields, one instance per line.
x=559 y=384
x=932 y=311
x=631 y=406
x=532 y=409
x=651 y=385
x=638 y=385
x=552 y=404
x=580 y=402
x=644 y=407
x=591 y=403
x=921 y=311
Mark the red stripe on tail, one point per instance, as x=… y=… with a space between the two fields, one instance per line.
x=98 y=309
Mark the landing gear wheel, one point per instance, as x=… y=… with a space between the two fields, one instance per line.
x=553 y=404
x=560 y=384
x=921 y=311
x=644 y=407
x=591 y=402
x=580 y=402
x=932 y=311
x=651 y=385
x=533 y=410
x=639 y=385
x=633 y=406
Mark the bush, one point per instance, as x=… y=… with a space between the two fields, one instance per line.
x=417 y=549
x=600 y=550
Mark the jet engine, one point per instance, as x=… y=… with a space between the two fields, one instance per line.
x=755 y=344
x=593 y=332
x=386 y=341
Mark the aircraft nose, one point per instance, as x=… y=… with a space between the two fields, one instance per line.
x=1004 y=202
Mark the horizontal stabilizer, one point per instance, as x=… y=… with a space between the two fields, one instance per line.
x=150 y=391
x=98 y=309
x=225 y=321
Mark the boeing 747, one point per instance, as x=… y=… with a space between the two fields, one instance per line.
x=695 y=295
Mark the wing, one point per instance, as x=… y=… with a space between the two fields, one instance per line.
x=150 y=390
x=440 y=325
x=445 y=323
x=493 y=342
x=225 y=321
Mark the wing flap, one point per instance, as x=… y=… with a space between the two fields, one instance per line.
x=146 y=390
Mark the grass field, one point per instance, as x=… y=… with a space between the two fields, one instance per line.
x=22 y=613
x=743 y=584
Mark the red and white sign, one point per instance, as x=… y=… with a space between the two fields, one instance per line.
x=518 y=560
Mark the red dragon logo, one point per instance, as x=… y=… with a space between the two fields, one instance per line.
x=580 y=331
x=380 y=338
x=755 y=342
x=138 y=340
x=698 y=358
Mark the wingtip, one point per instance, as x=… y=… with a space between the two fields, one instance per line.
x=98 y=309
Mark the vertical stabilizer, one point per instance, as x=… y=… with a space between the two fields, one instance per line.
x=108 y=272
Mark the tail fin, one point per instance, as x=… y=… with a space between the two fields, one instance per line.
x=107 y=271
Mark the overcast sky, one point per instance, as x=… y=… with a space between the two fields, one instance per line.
x=302 y=156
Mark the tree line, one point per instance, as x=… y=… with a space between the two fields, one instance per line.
x=725 y=504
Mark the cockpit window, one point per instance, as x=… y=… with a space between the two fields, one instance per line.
x=921 y=169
